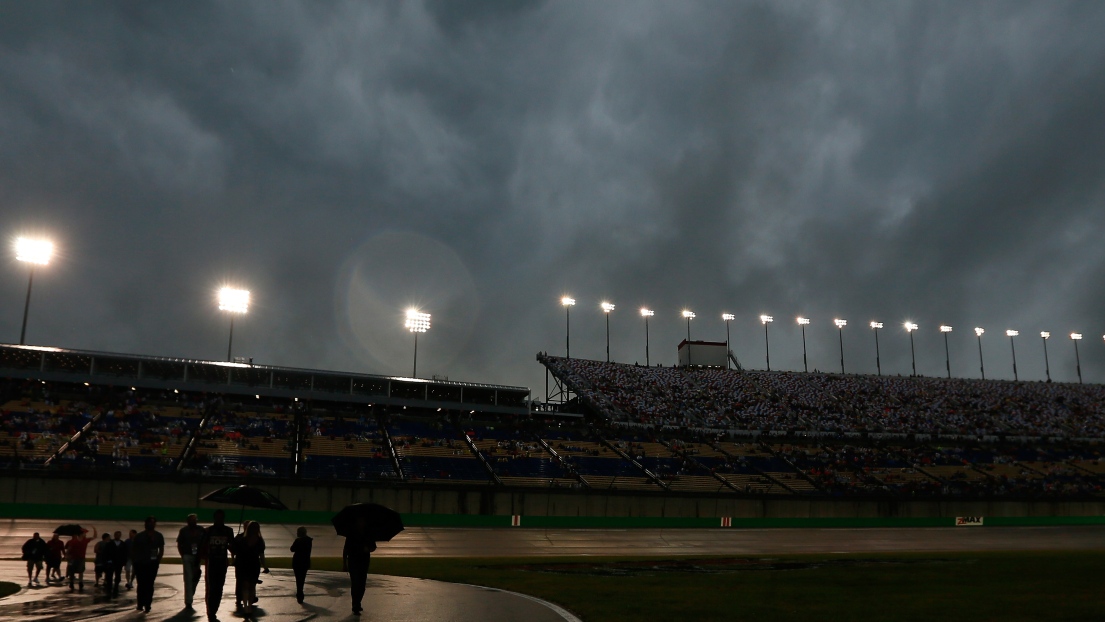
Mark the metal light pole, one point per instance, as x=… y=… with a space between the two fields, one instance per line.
x=1044 y=336
x=765 y=320
x=727 y=317
x=981 y=367
x=36 y=253
x=1076 y=337
x=803 y=322
x=909 y=328
x=1013 y=333
x=646 y=313
x=235 y=302
x=875 y=326
x=690 y=316
x=568 y=303
x=840 y=324
x=417 y=322
x=606 y=309
x=947 y=359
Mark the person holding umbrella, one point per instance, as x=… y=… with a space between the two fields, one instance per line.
x=363 y=525
x=355 y=557
x=249 y=555
x=76 y=552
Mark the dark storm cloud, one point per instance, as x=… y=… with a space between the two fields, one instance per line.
x=934 y=162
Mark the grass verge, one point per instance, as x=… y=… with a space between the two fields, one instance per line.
x=1010 y=587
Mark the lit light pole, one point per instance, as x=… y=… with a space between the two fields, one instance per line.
x=690 y=316
x=417 y=322
x=1044 y=336
x=765 y=320
x=840 y=324
x=727 y=317
x=607 y=307
x=1076 y=337
x=875 y=326
x=646 y=313
x=233 y=301
x=981 y=367
x=36 y=253
x=568 y=303
x=1013 y=333
x=909 y=328
x=803 y=322
x=947 y=358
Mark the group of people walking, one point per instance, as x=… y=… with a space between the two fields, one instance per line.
x=205 y=552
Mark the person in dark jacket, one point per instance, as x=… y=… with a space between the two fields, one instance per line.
x=301 y=560
x=355 y=558
x=120 y=555
x=34 y=552
x=146 y=552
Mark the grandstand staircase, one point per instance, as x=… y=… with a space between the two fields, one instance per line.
x=563 y=463
x=479 y=456
x=684 y=455
x=190 y=447
x=81 y=433
x=640 y=467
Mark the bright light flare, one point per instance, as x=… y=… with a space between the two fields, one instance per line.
x=728 y=317
x=36 y=251
x=607 y=307
x=1076 y=336
x=234 y=300
x=876 y=325
x=979 y=331
x=1046 y=335
x=417 y=322
x=944 y=328
x=1012 y=333
x=567 y=301
x=803 y=321
x=840 y=323
x=688 y=314
x=647 y=312
x=764 y=319
x=910 y=327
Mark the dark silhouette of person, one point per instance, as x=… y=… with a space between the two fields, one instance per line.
x=355 y=559
x=301 y=560
x=146 y=552
x=213 y=550
x=120 y=551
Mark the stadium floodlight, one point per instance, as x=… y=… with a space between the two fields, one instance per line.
x=235 y=302
x=944 y=328
x=690 y=316
x=803 y=322
x=727 y=317
x=647 y=313
x=1076 y=337
x=36 y=252
x=875 y=326
x=607 y=307
x=568 y=303
x=981 y=366
x=1044 y=336
x=765 y=320
x=417 y=322
x=909 y=328
x=1013 y=333
x=840 y=324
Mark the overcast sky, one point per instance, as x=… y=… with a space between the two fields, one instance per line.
x=939 y=162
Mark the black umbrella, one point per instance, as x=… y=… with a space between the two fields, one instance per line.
x=244 y=495
x=380 y=523
x=70 y=530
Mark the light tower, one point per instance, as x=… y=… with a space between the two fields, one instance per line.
x=765 y=320
x=568 y=303
x=727 y=317
x=417 y=322
x=690 y=316
x=909 y=328
x=947 y=359
x=803 y=322
x=1013 y=333
x=607 y=307
x=35 y=252
x=981 y=366
x=1044 y=336
x=235 y=302
x=875 y=326
x=1076 y=337
x=646 y=313
x=840 y=324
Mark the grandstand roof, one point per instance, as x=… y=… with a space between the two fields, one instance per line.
x=235 y=378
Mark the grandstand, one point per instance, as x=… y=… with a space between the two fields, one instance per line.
x=626 y=430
